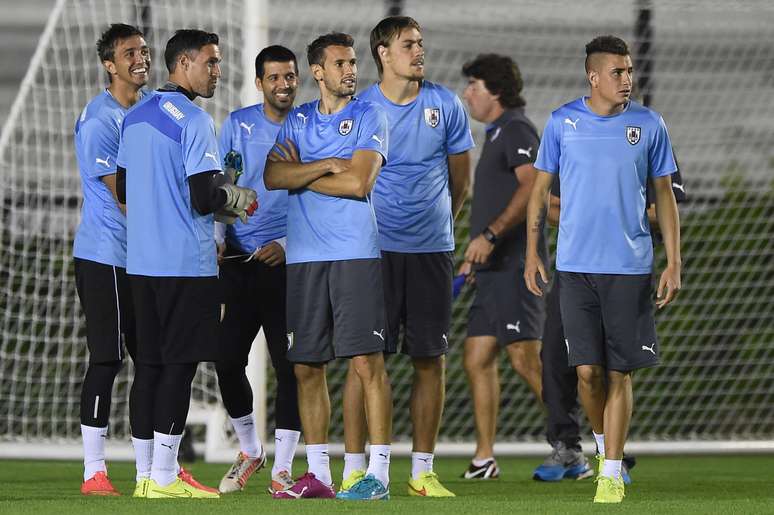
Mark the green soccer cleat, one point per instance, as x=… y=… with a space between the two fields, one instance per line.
x=428 y=485
x=351 y=479
x=609 y=490
x=178 y=489
x=141 y=488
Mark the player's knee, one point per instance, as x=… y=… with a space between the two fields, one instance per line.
x=309 y=374
x=430 y=367
x=475 y=362
x=590 y=377
x=369 y=367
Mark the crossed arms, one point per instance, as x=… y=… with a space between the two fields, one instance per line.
x=352 y=178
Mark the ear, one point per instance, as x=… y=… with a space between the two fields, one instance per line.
x=110 y=66
x=184 y=62
x=317 y=72
x=593 y=77
x=258 y=84
x=383 y=52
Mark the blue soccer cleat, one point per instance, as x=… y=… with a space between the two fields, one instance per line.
x=563 y=463
x=367 y=489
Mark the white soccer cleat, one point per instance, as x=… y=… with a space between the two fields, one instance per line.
x=237 y=476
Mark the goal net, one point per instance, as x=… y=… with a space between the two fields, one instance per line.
x=711 y=79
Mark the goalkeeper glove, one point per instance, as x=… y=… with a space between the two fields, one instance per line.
x=232 y=165
x=240 y=203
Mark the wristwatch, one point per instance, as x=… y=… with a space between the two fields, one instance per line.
x=489 y=235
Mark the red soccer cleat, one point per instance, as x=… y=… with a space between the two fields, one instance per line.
x=99 y=484
x=186 y=477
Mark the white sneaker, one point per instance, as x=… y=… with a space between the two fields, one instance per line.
x=243 y=467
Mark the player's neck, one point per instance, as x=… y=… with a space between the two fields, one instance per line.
x=274 y=114
x=603 y=107
x=330 y=104
x=399 y=90
x=125 y=94
x=495 y=112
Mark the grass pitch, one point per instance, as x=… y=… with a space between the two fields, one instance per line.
x=703 y=484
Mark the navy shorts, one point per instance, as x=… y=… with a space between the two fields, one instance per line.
x=608 y=320
x=418 y=299
x=335 y=309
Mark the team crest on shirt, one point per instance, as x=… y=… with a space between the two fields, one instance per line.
x=432 y=116
x=345 y=127
x=633 y=134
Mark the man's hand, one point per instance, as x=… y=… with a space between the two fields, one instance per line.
x=533 y=266
x=669 y=281
x=271 y=254
x=479 y=250
x=221 y=250
x=337 y=165
x=240 y=202
x=286 y=152
x=466 y=269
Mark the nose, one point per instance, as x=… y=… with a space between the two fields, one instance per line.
x=216 y=70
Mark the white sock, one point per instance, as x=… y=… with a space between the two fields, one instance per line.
x=421 y=462
x=285 y=442
x=143 y=457
x=93 y=450
x=600 y=442
x=353 y=461
x=244 y=427
x=319 y=462
x=481 y=462
x=165 y=468
x=379 y=463
x=612 y=468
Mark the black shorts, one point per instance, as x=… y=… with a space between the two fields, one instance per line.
x=418 y=297
x=608 y=320
x=503 y=307
x=254 y=295
x=177 y=319
x=335 y=309
x=106 y=299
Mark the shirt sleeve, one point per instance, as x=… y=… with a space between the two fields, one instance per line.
x=226 y=139
x=550 y=148
x=372 y=131
x=458 y=136
x=660 y=155
x=520 y=144
x=100 y=145
x=200 y=146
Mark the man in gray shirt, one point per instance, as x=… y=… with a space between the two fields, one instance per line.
x=503 y=314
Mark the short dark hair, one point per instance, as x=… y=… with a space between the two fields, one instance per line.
x=315 y=52
x=501 y=76
x=606 y=45
x=184 y=41
x=274 y=53
x=106 y=44
x=387 y=30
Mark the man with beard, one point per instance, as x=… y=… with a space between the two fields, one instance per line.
x=327 y=156
x=253 y=278
x=169 y=176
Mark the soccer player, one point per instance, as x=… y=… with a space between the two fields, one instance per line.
x=417 y=195
x=504 y=314
x=253 y=278
x=99 y=250
x=328 y=155
x=604 y=147
x=560 y=382
x=169 y=174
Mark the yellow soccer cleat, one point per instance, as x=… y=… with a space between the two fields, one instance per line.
x=177 y=489
x=351 y=479
x=609 y=490
x=141 y=488
x=428 y=485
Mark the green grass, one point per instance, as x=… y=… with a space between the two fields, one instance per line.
x=705 y=484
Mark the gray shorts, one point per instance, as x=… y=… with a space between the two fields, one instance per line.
x=608 y=320
x=504 y=308
x=335 y=310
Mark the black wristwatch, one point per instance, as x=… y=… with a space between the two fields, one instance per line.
x=489 y=235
